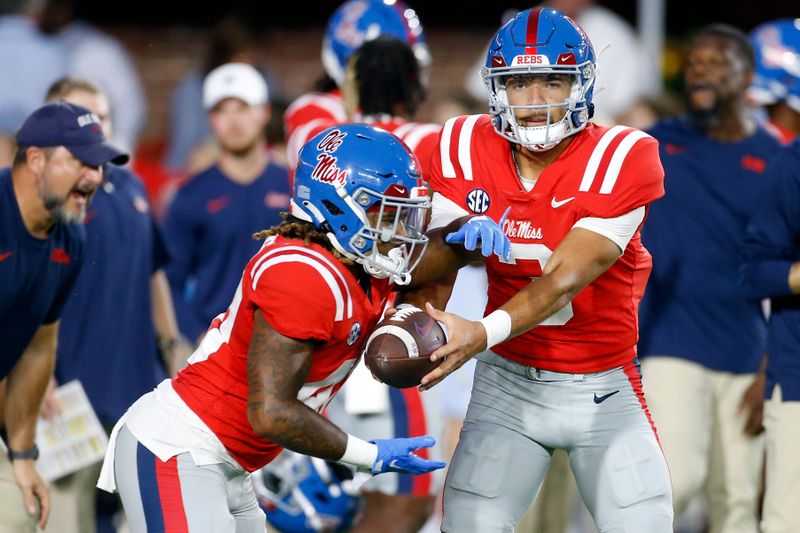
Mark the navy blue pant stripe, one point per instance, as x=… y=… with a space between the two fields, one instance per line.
x=400 y=417
x=148 y=489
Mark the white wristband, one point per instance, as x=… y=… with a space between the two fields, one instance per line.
x=359 y=453
x=498 y=327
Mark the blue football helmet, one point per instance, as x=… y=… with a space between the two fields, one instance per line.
x=777 y=75
x=357 y=21
x=540 y=41
x=362 y=186
x=301 y=494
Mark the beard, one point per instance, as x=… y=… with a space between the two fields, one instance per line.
x=57 y=205
x=709 y=117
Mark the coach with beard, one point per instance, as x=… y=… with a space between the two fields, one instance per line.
x=702 y=337
x=43 y=198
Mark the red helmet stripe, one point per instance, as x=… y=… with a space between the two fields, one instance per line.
x=532 y=31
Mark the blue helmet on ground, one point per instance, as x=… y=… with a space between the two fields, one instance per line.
x=777 y=75
x=540 y=41
x=363 y=187
x=357 y=21
x=301 y=494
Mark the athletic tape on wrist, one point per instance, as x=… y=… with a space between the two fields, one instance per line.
x=498 y=327
x=359 y=453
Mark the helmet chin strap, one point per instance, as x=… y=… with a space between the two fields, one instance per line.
x=384 y=266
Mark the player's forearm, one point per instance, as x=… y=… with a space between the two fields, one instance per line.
x=297 y=427
x=436 y=292
x=25 y=389
x=564 y=277
x=441 y=258
x=538 y=301
x=164 y=320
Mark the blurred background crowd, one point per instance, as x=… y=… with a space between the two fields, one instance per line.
x=151 y=59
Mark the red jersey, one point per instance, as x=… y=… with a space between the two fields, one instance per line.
x=309 y=115
x=603 y=173
x=303 y=292
x=422 y=139
x=313 y=112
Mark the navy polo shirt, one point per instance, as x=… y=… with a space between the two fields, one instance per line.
x=36 y=275
x=209 y=232
x=771 y=246
x=107 y=339
x=694 y=306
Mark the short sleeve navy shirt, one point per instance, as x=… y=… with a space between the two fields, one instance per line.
x=106 y=338
x=36 y=275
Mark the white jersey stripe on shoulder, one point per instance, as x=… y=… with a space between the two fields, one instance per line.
x=298 y=139
x=402 y=131
x=465 y=144
x=413 y=138
x=336 y=291
x=612 y=173
x=597 y=156
x=332 y=104
x=321 y=258
x=448 y=170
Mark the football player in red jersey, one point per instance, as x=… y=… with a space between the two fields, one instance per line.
x=561 y=319
x=351 y=25
x=267 y=367
x=383 y=87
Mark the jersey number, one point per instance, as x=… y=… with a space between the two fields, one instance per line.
x=541 y=254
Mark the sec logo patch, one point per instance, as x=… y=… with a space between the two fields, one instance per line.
x=355 y=332
x=478 y=200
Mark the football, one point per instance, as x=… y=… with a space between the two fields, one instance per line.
x=397 y=350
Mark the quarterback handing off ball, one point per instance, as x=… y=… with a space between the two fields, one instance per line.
x=398 y=350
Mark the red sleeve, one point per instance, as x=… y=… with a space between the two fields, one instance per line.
x=307 y=116
x=295 y=297
x=311 y=107
x=444 y=175
x=424 y=152
x=639 y=181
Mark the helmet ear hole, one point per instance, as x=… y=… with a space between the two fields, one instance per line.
x=332 y=208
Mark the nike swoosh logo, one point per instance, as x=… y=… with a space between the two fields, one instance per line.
x=423 y=331
x=558 y=203
x=5 y=255
x=601 y=399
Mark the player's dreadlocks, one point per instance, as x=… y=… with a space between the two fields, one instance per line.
x=294 y=228
x=388 y=75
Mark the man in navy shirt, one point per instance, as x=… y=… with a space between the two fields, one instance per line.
x=43 y=197
x=771 y=268
x=702 y=336
x=210 y=223
x=107 y=338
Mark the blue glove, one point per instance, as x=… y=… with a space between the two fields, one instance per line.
x=489 y=232
x=395 y=455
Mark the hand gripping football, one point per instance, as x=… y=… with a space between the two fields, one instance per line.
x=398 y=350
